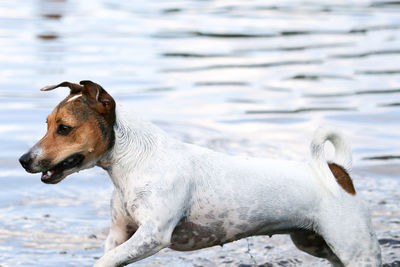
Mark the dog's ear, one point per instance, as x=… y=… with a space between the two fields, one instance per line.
x=101 y=100
x=75 y=88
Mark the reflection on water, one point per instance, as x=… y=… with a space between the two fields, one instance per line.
x=243 y=77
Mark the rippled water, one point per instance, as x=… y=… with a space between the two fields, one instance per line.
x=243 y=77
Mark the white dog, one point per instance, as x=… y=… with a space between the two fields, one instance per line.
x=171 y=194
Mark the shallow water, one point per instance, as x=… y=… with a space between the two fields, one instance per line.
x=242 y=77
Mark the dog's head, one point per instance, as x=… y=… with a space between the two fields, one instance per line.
x=79 y=132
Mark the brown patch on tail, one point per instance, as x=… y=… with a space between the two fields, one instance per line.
x=342 y=178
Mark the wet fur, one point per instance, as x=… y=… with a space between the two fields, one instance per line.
x=171 y=194
x=195 y=198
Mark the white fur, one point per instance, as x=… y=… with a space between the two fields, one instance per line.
x=342 y=156
x=74 y=97
x=161 y=183
x=36 y=155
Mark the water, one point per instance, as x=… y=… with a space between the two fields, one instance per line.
x=242 y=77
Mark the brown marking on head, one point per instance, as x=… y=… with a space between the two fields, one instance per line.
x=97 y=97
x=86 y=136
x=82 y=124
x=342 y=178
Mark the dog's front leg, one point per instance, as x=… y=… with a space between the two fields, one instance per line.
x=147 y=240
x=119 y=233
x=121 y=227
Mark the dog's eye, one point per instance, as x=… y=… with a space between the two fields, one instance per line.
x=63 y=129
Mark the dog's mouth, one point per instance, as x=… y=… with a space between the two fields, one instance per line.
x=56 y=173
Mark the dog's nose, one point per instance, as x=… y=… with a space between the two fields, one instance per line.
x=25 y=160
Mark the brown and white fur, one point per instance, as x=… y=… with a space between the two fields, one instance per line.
x=172 y=194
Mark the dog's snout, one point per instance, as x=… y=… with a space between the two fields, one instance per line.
x=26 y=160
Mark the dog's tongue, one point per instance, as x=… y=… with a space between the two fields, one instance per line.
x=47 y=175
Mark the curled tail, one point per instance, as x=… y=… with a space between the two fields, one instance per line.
x=341 y=162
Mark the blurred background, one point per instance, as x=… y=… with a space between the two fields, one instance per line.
x=242 y=77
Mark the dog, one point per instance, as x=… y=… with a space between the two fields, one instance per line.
x=177 y=195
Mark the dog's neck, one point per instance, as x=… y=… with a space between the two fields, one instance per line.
x=135 y=142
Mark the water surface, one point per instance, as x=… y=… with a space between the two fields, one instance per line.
x=242 y=77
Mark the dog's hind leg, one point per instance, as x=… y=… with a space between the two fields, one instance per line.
x=349 y=234
x=313 y=244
